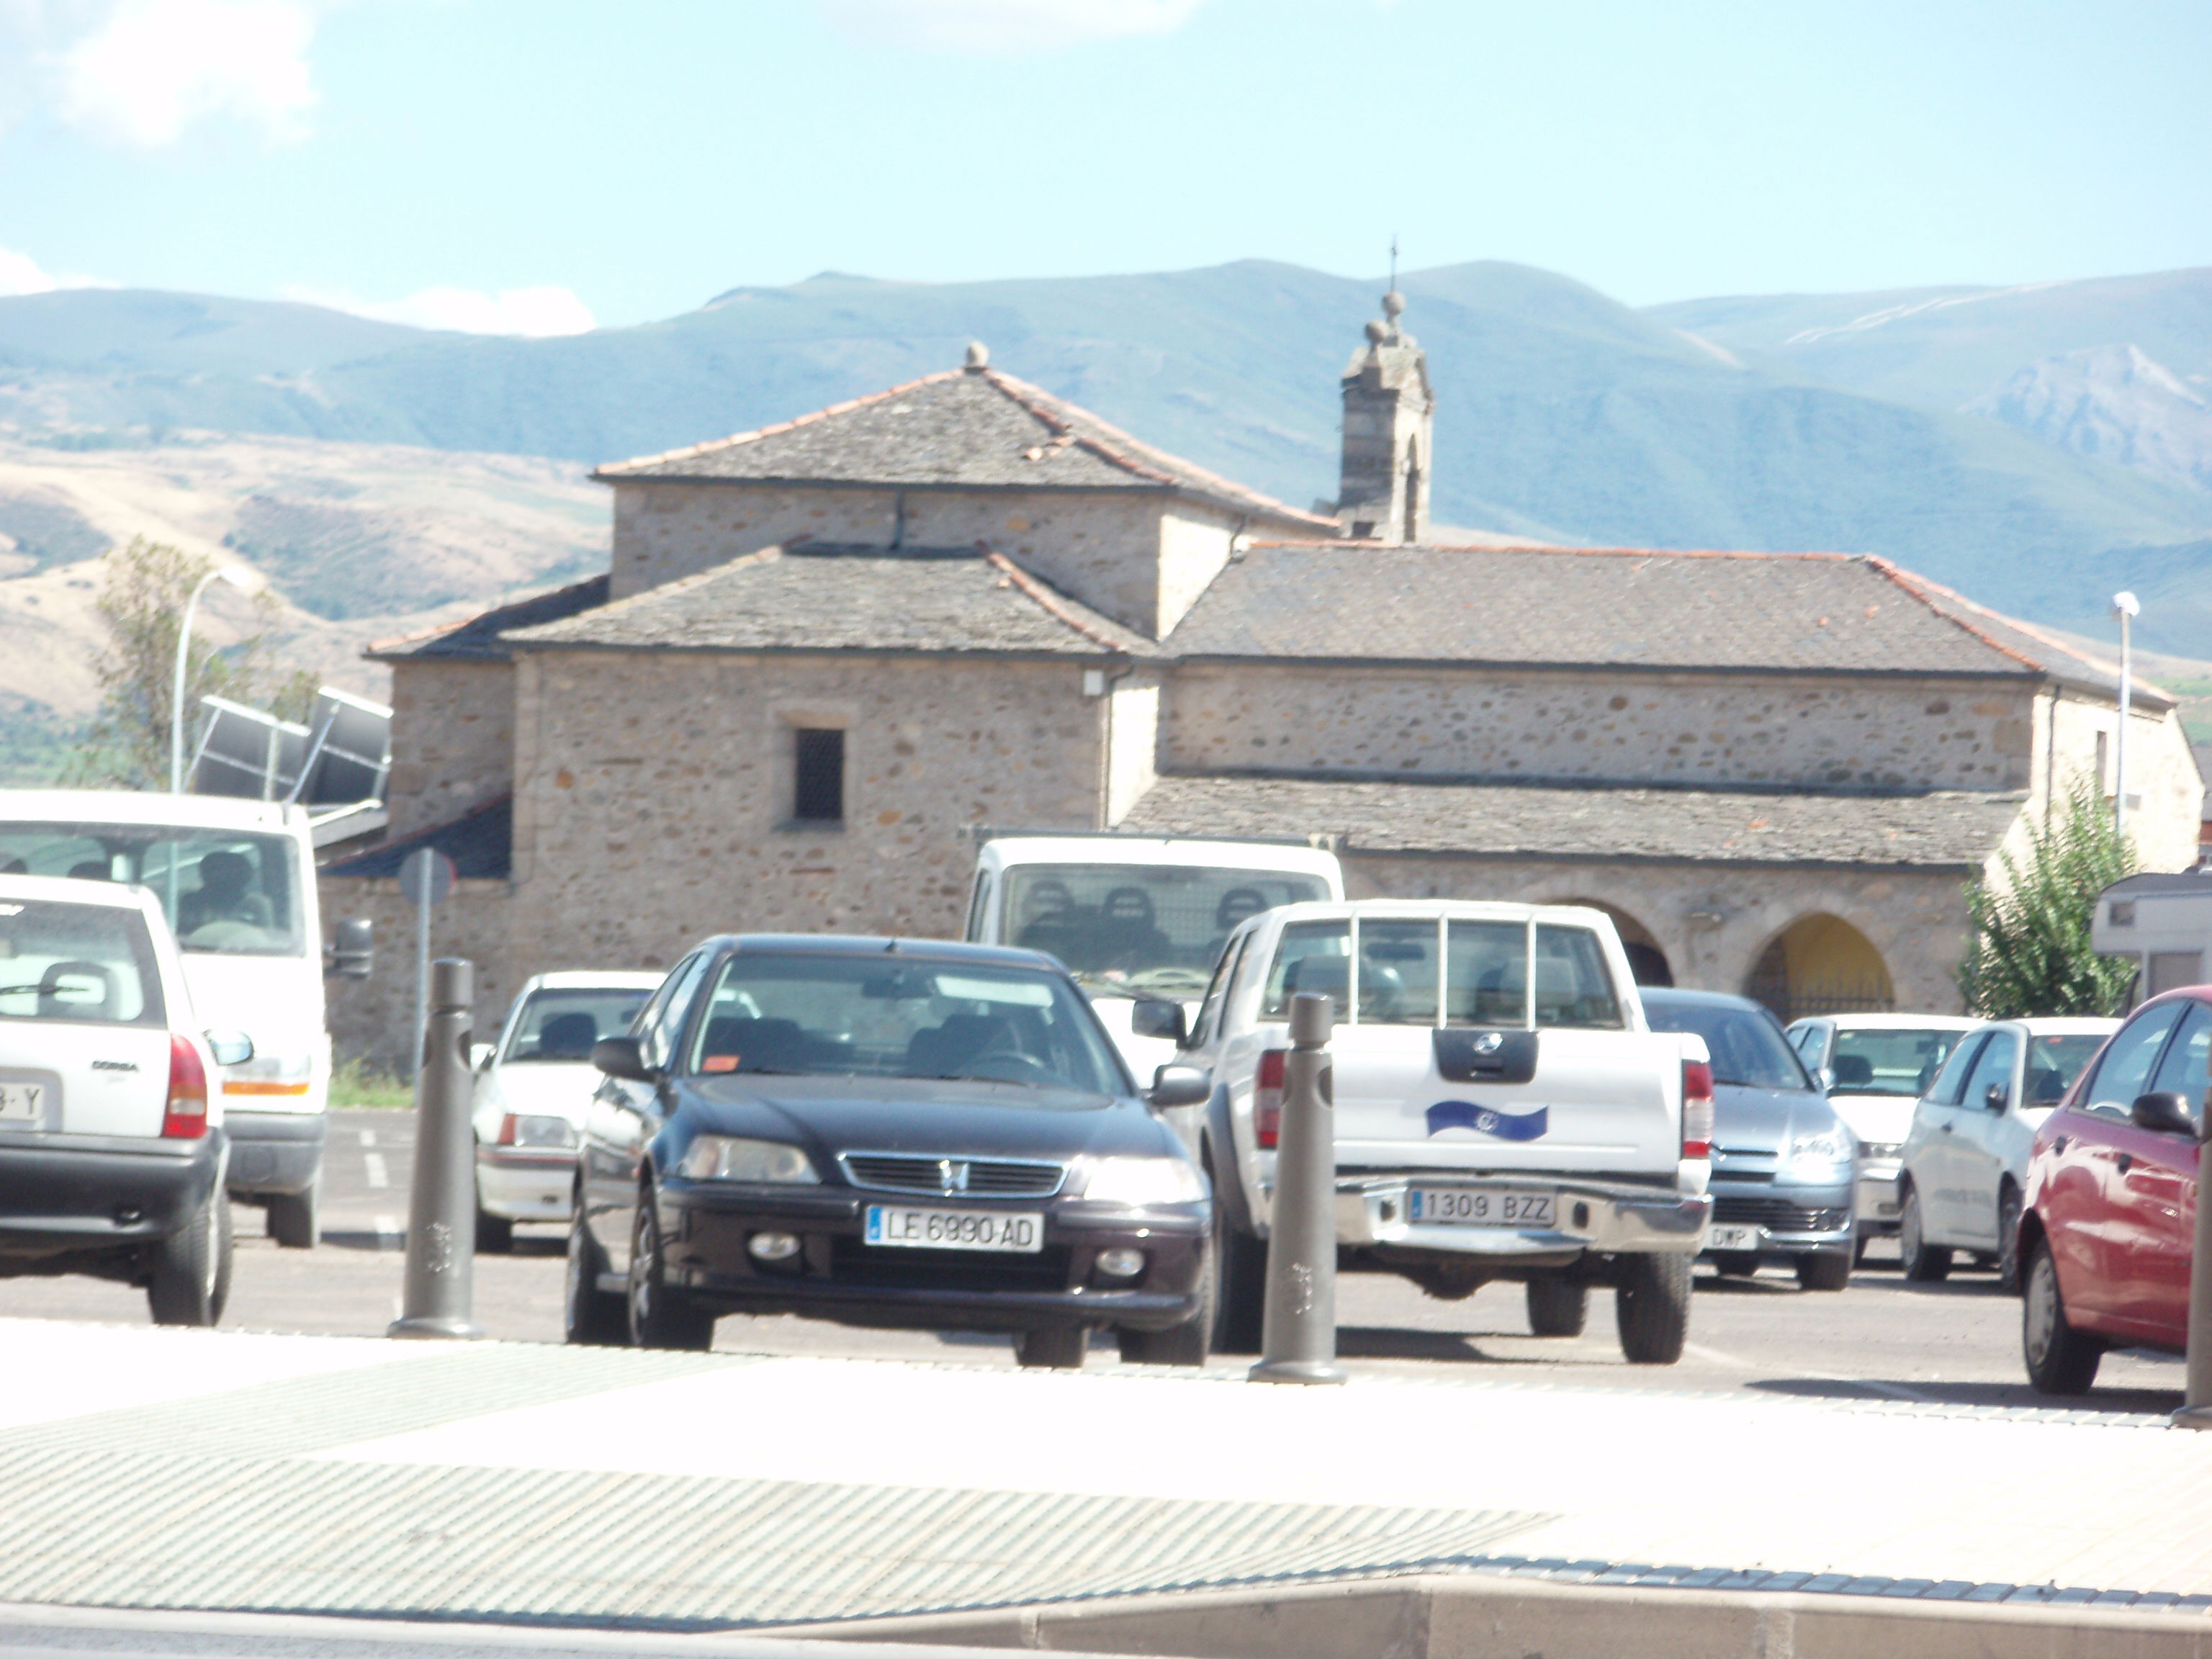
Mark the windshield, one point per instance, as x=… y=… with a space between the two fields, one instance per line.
x=1748 y=1047
x=1891 y=1062
x=877 y=1015
x=76 y=962
x=2053 y=1063
x=1151 y=929
x=224 y=893
x=562 y=1025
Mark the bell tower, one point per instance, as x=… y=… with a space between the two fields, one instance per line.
x=1389 y=415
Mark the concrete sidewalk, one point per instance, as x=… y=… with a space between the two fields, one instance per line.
x=145 y=1467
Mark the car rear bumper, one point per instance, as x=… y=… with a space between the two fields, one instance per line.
x=1591 y=1217
x=526 y=1185
x=64 y=1198
x=273 y=1153
x=838 y=1276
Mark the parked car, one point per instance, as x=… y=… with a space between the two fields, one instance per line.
x=1876 y=1067
x=888 y=1132
x=533 y=1087
x=111 y=1144
x=1965 y=1161
x=2107 y=1234
x=1503 y=1109
x=1783 y=1160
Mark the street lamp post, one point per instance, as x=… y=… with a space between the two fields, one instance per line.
x=2126 y=607
x=238 y=576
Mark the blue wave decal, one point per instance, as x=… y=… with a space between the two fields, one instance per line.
x=1488 y=1120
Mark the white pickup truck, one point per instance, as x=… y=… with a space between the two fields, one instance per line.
x=1503 y=1111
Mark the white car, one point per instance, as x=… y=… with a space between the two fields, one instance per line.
x=111 y=1144
x=533 y=1086
x=1966 y=1159
x=1876 y=1067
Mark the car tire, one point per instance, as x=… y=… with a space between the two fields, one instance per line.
x=295 y=1219
x=590 y=1316
x=1052 y=1347
x=1187 y=1344
x=1558 y=1307
x=1924 y=1263
x=1823 y=1270
x=2061 y=1360
x=1651 y=1308
x=494 y=1234
x=1736 y=1264
x=660 y=1316
x=1240 y=1286
x=2008 y=1240
x=191 y=1280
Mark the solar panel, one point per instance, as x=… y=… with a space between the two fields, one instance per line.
x=246 y=754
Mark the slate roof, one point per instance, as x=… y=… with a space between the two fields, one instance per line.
x=480 y=843
x=477 y=640
x=973 y=428
x=1536 y=606
x=806 y=597
x=1952 y=830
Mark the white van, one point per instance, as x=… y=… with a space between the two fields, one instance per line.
x=236 y=879
x=1137 y=918
x=2161 y=922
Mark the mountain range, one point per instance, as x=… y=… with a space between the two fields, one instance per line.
x=2037 y=446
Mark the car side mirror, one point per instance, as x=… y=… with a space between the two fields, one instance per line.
x=1825 y=1077
x=481 y=1055
x=1178 y=1086
x=620 y=1056
x=2164 y=1113
x=352 y=949
x=230 y=1047
x=1996 y=1097
x=1160 y=1020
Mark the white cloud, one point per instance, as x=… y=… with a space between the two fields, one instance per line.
x=150 y=69
x=535 y=312
x=1001 y=27
x=20 y=274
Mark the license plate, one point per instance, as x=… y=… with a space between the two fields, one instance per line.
x=901 y=1228
x=22 y=1102
x=1732 y=1238
x=1446 y=1207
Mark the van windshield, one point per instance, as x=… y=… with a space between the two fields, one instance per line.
x=1144 y=929
x=226 y=892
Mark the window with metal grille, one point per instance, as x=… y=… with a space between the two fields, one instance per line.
x=818 y=774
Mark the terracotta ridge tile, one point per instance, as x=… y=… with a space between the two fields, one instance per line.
x=689 y=450
x=1554 y=547
x=1918 y=587
x=1048 y=601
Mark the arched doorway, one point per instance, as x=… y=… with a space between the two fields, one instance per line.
x=1821 y=964
x=1646 y=960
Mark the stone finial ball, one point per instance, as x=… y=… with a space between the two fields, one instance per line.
x=979 y=354
x=1393 y=303
x=1377 y=332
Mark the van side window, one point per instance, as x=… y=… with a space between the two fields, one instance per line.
x=979 y=908
x=1313 y=956
x=1572 y=985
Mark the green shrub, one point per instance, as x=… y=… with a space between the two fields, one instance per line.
x=2029 y=951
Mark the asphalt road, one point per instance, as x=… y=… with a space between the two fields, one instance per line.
x=1881 y=1339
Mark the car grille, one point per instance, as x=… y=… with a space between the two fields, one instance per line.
x=1779 y=1214
x=953 y=1177
x=854 y=1262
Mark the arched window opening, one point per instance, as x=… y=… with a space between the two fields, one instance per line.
x=1821 y=964
x=1646 y=960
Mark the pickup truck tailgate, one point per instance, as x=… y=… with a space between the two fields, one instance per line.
x=1598 y=1102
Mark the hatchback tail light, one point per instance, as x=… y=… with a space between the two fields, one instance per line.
x=1267 y=1096
x=1697 y=1108
x=185 y=1117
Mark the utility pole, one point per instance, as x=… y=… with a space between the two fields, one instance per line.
x=2127 y=607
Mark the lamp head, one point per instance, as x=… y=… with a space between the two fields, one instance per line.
x=239 y=577
x=2125 y=604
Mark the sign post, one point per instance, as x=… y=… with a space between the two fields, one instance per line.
x=425 y=877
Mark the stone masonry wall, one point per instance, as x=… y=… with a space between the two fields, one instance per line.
x=2166 y=790
x=373 y=1018
x=452 y=740
x=653 y=799
x=1660 y=728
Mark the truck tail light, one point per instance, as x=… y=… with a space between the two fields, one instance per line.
x=1697 y=1108
x=185 y=1117
x=1267 y=1096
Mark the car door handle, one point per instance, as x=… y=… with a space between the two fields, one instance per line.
x=2125 y=1160
x=2058 y=1147
x=1945 y=1127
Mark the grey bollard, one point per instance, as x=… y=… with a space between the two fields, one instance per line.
x=2195 y=1411
x=441 y=1211
x=1297 y=1341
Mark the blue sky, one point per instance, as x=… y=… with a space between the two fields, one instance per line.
x=536 y=166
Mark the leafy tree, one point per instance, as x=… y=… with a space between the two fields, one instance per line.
x=142 y=601
x=2029 y=951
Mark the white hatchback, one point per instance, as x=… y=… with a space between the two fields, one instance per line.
x=533 y=1086
x=111 y=1145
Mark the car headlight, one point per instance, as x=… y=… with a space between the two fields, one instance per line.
x=1144 y=1180
x=730 y=1158
x=1821 y=1149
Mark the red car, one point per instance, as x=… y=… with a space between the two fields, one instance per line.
x=2112 y=1199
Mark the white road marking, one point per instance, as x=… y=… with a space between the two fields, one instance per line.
x=378 y=1175
x=368 y=1137
x=1894 y=1390
x=1715 y=1357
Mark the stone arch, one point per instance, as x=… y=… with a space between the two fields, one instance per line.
x=1821 y=964
x=1647 y=957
